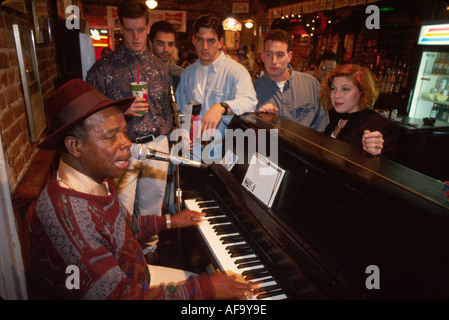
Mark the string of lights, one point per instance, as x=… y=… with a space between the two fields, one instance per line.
x=308 y=23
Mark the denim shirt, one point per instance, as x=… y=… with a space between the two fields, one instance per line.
x=227 y=81
x=299 y=101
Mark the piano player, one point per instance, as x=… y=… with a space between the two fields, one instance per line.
x=84 y=244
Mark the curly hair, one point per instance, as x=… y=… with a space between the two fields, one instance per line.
x=360 y=76
x=209 y=21
x=279 y=35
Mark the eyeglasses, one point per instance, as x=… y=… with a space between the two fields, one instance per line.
x=326 y=68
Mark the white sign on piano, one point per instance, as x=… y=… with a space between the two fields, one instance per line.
x=263 y=179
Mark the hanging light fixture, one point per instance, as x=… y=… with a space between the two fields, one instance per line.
x=232 y=24
x=151 y=4
x=249 y=23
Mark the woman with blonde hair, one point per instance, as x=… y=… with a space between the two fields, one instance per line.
x=349 y=93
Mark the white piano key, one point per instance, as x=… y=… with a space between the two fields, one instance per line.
x=218 y=249
x=276 y=297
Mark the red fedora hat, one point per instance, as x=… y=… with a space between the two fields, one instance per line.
x=71 y=103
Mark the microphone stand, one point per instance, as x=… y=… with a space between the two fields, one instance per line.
x=178 y=191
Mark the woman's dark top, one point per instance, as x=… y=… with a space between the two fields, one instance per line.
x=360 y=121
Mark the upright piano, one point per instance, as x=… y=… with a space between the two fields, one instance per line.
x=342 y=220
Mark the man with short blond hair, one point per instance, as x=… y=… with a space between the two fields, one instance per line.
x=142 y=187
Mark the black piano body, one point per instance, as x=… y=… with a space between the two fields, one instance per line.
x=340 y=218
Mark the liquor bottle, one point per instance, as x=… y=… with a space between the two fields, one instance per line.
x=394 y=114
x=392 y=81
x=437 y=65
x=445 y=62
x=441 y=65
x=405 y=76
x=385 y=79
x=434 y=111
x=445 y=113
x=380 y=76
x=399 y=79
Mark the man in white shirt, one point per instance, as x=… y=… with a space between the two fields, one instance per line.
x=221 y=85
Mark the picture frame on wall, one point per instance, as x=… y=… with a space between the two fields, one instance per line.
x=240 y=7
x=41 y=21
x=29 y=75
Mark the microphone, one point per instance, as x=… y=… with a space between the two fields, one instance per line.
x=141 y=152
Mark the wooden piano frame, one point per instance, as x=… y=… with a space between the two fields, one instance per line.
x=339 y=211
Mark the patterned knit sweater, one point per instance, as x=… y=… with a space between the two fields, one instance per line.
x=98 y=236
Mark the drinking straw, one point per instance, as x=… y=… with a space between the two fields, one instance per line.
x=138 y=75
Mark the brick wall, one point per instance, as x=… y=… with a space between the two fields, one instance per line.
x=17 y=146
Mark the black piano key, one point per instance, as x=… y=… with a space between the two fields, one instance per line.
x=209 y=215
x=248 y=264
x=267 y=289
x=218 y=220
x=213 y=212
x=231 y=239
x=223 y=226
x=256 y=276
x=208 y=210
x=254 y=271
x=237 y=246
x=203 y=198
x=241 y=253
x=260 y=282
x=269 y=294
x=246 y=260
x=223 y=231
x=228 y=228
x=208 y=204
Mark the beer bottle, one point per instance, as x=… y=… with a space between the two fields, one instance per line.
x=434 y=111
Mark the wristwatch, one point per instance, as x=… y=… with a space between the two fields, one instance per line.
x=225 y=106
x=167 y=216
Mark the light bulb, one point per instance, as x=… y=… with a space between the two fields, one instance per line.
x=151 y=4
x=249 y=23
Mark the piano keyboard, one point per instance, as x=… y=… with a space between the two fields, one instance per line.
x=231 y=251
